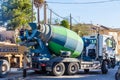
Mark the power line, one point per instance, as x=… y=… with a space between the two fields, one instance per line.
x=61 y=16
x=75 y=20
x=55 y=13
x=95 y=2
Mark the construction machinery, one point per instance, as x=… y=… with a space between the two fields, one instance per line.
x=11 y=56
x=59 y=51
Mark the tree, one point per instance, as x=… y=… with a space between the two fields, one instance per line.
x=17 y=12
x=65 y=23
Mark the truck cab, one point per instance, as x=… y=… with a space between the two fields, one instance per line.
x=99 y=52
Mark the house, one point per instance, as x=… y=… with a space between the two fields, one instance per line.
x=115 y=32
x=6 y=36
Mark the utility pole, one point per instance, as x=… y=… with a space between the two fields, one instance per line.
x=70 y=22
x=32 y=10
x=38 y=4
x=50 y=16
x=38 y=14
x=91 y=27
x=45 y=13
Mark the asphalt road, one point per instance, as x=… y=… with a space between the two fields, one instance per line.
x=92 y=75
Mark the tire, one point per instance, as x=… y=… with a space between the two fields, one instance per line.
x=86 y=70
x=4 y=68
x=58 y=69
x=113 y=63
x=109 y=64
x=104 y=67
x=117 y=76
x=72 y=68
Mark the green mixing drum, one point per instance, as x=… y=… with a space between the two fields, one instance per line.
x=60 y=38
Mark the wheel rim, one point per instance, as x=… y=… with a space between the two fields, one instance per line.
x=73 y=68
x=4 y=68
x=59 y=68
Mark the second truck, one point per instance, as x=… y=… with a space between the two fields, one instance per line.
x=59 y=51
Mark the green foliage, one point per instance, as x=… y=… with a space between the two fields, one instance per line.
x=65 y=23
x=17 y=12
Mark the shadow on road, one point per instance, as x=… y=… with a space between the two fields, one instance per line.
x=91 y=75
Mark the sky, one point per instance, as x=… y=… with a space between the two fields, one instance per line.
x=107 y=14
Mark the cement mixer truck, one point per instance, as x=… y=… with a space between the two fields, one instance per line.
x=59 y=51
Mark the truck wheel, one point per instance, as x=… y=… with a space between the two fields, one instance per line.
x=58 y=69
x=104 y=67
x=72 y=68
x=117 y=76
x=109 y=64
x=4 y=68
x=113 y=64
x=86 y=70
